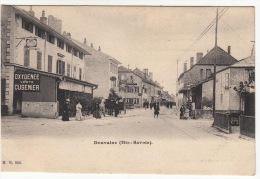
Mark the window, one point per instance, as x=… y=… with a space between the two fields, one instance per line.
x=208 y=73
x=68 y=69
x=49 y=63
x=226 y=80
x=60 y=44
x=80 y=55
x=39 y=32
x=74 y=72
x=51 y=39
x=60 y=67
x=26 y=57
x=39 y=60
x=27 y=25
x=68 y=48
x=75 y=52
x=249 y=75
x=137 y=89
x=201 y=74
x=221 y=98
x=80 y=73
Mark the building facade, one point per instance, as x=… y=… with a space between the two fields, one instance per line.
x=40 y=66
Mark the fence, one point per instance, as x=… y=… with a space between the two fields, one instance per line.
x=247 y=126
x=222 y=121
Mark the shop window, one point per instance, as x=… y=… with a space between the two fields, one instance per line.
x=60 y=67
x=80 y=74
x=39 y=32
x=49 y=63
x=51 y=39
x=27 y=25
x=60 y=44
x=39 y=60
x=68 y=70
x=26 y=57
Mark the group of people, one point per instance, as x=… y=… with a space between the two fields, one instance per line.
x=187 y=112
x=98 y=109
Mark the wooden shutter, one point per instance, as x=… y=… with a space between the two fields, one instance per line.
x=26 y=57
x=39 y=60
x=62 y=68
x=49 y=63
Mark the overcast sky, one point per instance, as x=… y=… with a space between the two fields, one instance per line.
x=155 y=37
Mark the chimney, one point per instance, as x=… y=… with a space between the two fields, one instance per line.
x=99 y=48
x=185 y=67
x=55 y=23
x=31 y=12
x=85 y=41
x=191 y=61
x=68 y=35
x=151 y=75
x=91 y=45
x=43 y=18
x=145 y=72
x=199 y=56
x=229 y=50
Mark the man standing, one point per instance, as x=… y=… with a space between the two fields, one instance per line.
x=182 y=111
x=156 y=109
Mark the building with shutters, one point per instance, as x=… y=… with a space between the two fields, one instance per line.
x=40 y=66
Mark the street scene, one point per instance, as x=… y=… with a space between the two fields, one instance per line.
x=161 y=93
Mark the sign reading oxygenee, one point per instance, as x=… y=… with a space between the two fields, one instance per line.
x=26 y=81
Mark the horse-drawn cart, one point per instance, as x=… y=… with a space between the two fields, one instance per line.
x=111 y=106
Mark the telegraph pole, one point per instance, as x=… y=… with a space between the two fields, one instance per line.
x=215 y=61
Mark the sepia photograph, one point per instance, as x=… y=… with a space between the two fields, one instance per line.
x=98 y=89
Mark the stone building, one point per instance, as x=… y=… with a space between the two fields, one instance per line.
x=190 y=81
x=40 y=66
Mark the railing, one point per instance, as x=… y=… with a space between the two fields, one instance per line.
x=222 y=122
x=247 y=126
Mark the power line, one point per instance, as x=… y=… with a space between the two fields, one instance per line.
x=223 y=11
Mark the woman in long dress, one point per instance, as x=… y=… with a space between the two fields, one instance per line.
x=78 y=111
x=66 y=111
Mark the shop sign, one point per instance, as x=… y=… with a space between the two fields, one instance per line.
x=26 y=81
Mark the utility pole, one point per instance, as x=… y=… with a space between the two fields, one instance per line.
x=215 y=61
x=177 y=86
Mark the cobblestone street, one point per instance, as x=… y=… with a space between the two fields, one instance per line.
x=132 y=140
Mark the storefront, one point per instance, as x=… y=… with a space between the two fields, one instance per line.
x=42 y=94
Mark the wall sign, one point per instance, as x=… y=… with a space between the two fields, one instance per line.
x=26 y=81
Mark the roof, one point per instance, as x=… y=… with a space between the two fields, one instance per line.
x=96 y=54
x=139 y=73
x=246 y=62
x=124 y=69
x=223 y=58
x=35 y=20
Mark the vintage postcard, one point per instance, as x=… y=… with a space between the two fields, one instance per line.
x=128 y=89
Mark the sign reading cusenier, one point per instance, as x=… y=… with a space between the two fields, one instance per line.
x=26 y=81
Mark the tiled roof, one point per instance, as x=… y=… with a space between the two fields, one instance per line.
x=246 y=62
x=223 y=58
x=124 y=69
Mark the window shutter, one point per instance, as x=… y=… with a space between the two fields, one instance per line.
x=26 y=57
x=39 y=60
x=49 y=63
x=63 y=68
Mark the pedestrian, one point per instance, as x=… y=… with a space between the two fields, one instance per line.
x=96 y=112
x=102 y=107
x=66 y=111
x=193 y=110
x=171 y=105
x=156 y=109
x=151 y=105
x=78 y=111
x=144 y=105
x=182 y=111
x=187 y=113
x=116 y=108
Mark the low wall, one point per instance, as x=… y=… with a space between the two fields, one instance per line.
x=222 y=122
x=40 y=109
x=247 y=126
x=203 y=114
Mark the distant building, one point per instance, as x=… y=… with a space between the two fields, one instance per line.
x=40 y=66
x=101 y=69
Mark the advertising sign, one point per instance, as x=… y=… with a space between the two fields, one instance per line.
x=26 y=81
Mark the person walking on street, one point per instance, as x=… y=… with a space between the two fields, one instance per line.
x=102 y=107
x=66 y=111
x=151 y=105
x=116 y=108
x=156 y=109
x=96 y=113
x=182 y=111
x=78 y=112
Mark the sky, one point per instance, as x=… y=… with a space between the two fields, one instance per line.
x=156 y=37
